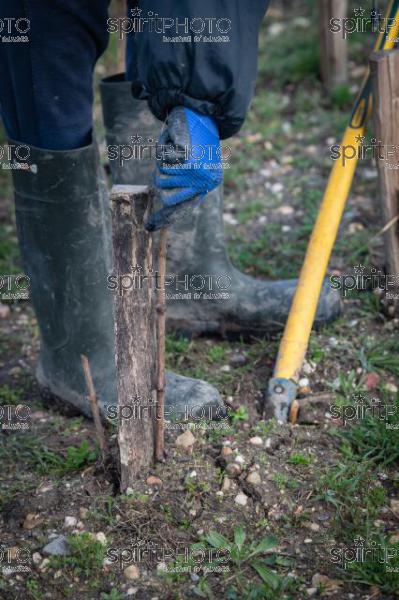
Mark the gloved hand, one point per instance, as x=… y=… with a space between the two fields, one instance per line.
x=189 y=165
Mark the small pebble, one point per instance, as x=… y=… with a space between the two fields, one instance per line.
x=237 y=360
x=226 y=484
x=371 y=380
x=44 y=564
x=57 y=547
x=241 y=499
x=70 y=522
x=226 y=451
x=233 y=469
x=229 y=219
x=152 y=480
x=31 y=521
x=308 y=368
x=4 y=311
x=100 y=537
x=276 y=188
x=254 y=478
x=391 y=387
x=131 y=572
x=185 y=440
x=256 y=441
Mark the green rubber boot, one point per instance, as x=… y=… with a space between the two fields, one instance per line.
x=63 y=224
x=206 y=294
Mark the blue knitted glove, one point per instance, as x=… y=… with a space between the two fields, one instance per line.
x=189 y=165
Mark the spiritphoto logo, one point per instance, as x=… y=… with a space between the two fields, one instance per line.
x=362 y=552
x=15 y=157
x=365 y=278
x=375 y=150
x=13 y=30
x=14 y=287
x=362 y=21
x=173 y=30
x=14 y=559
x=15 y=418
x=139 y=148
x=186 y=416
x=197 y=286
x=174 y=558
x=363 y=407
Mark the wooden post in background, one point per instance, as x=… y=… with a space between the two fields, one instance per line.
x=135 y=330
x=113 y=61
x=384 y=66
x=121 y=12
x=333 y=46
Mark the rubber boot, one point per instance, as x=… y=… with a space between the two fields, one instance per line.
x=206 y=294
x=63 y=224
x=226 y=301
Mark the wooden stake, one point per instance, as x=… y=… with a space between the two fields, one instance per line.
x=94 y=406
x=134 y=331
x=161 y=334
x=333 y=46
x=384 y=66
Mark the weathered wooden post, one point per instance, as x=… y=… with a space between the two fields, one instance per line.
x=333 y=46
x=384 y=67
x=135 y=330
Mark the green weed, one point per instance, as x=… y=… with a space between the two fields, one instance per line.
x=375 y=437
x=86 y=557
x=377 y=569
x=300 y=459
x=10 y=396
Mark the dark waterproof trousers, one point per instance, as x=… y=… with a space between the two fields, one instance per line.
x=48 y=51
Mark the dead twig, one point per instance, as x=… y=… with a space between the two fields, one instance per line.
x=94 y=406
x=161 y=334
x=386 y=227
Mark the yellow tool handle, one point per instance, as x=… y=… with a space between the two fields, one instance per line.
x=304 y=305
x=299 y=324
